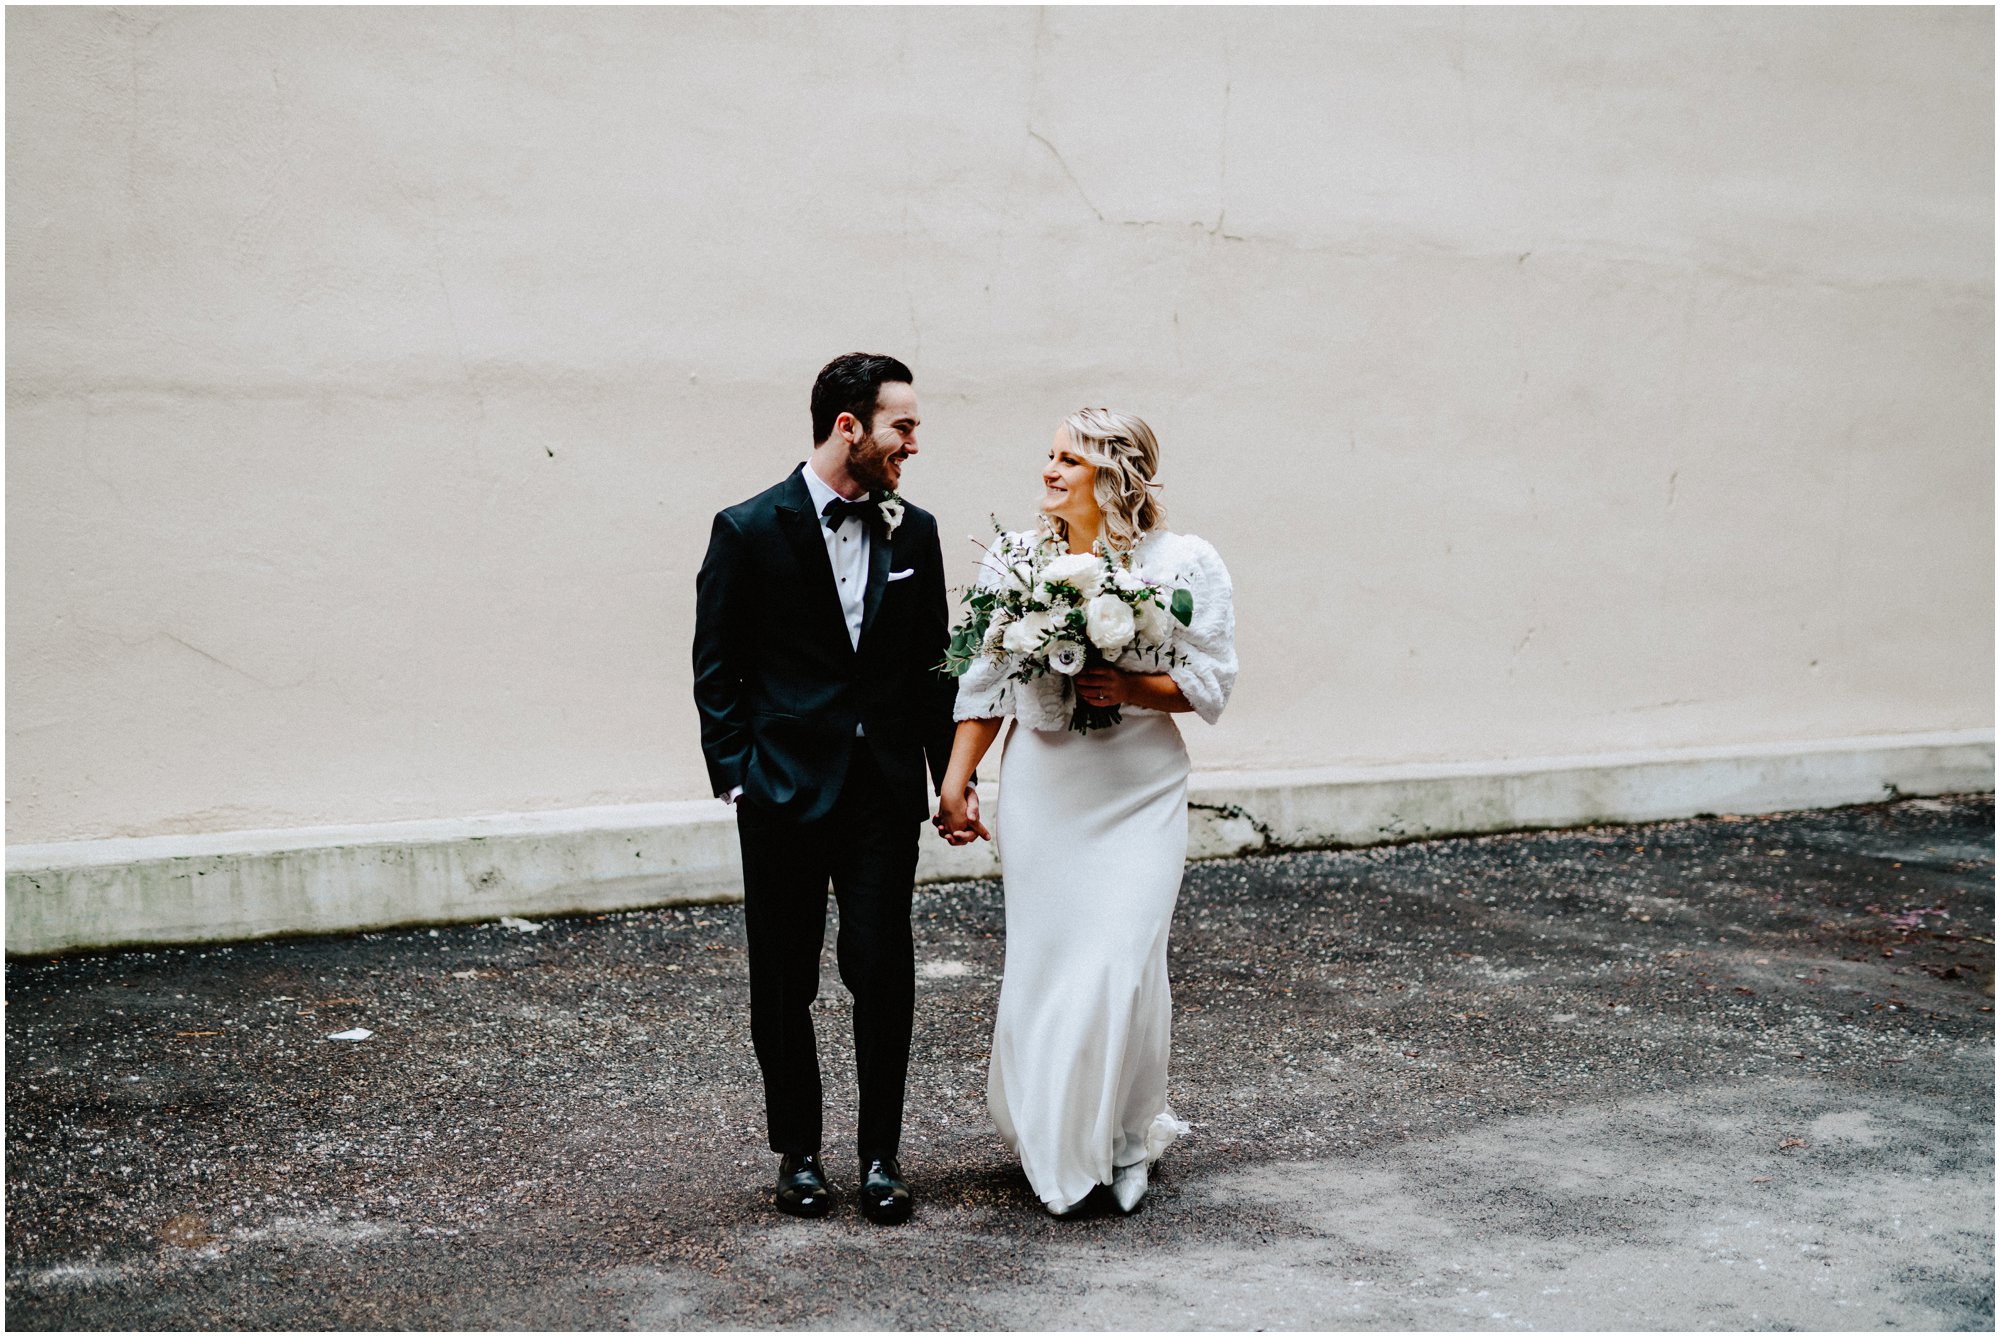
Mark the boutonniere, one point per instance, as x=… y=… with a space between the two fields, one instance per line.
x=891 y=507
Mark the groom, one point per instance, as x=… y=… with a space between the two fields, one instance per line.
x=819 y=624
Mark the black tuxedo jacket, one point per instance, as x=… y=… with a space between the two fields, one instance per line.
x=779 y=686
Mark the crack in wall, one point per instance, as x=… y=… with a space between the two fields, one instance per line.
x=1062 y=163
x=221 y=662
x=1267 y=837
x=1222 y=147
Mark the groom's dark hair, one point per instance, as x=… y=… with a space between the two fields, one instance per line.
x=849 y=384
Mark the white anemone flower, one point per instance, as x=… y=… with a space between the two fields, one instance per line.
x=1066 y=657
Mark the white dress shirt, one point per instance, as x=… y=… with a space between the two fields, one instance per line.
x=847 y=550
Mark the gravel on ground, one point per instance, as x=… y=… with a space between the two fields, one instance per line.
x=1720 y=1073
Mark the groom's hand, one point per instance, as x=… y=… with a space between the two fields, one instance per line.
x=978 y=829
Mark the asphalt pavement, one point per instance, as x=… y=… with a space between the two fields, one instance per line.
x=1715 y=1074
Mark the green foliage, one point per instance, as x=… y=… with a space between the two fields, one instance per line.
x=966 y=638
x=1183 y=607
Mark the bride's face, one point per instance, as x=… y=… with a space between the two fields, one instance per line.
x=1067 y=491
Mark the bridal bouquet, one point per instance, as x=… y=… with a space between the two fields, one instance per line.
x=1056 y=612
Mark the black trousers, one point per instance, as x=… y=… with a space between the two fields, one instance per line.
x=870 y=858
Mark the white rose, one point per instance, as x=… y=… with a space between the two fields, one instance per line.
x=891 y=508
x=1026 y=634
x=1128 y=580
x=1152 y=624
x=1066 y=657
x=1110 y=623
x=1082 y=571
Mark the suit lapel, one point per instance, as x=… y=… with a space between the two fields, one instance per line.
x=801 y=529
x=880 y=550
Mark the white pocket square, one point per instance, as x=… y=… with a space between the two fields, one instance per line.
x=899 y=575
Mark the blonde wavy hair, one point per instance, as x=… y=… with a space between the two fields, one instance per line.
x=1123 y=451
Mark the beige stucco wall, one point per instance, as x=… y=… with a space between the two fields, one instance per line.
x=1554 y=381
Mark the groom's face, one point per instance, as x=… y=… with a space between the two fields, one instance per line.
x=875 y=458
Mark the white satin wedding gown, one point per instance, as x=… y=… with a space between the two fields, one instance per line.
x=1092 y=830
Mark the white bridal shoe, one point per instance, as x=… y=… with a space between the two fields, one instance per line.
x=1128 y=1185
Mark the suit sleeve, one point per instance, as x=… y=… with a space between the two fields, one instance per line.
x=939 y=687
x=719 y=621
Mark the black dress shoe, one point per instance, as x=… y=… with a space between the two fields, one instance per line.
x=802 y=1189
x=885 y=1198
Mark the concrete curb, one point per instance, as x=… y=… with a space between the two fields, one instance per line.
x=251 y=884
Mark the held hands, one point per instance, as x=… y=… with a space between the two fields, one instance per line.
x=957 y=818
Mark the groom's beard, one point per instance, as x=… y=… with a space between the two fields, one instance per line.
x=868 y=464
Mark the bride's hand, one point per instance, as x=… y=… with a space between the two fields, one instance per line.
x=1103 y=686
x=957 y=819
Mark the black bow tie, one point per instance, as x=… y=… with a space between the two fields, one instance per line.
x=839 y=509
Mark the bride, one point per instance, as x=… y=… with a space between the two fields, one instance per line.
x=1093 y=833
